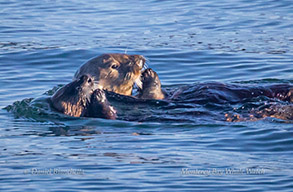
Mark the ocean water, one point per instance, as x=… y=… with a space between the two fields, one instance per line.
x=42 y=44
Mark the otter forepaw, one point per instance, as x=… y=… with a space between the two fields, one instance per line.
x=149 y=74
x=151 y=85
x=100 y=95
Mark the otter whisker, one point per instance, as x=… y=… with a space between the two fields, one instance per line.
x=128 y=76
x=138 y=83
x=146 y=63
x=97 y=86
x=108 y=75
x=126 y=50
x=146 y=66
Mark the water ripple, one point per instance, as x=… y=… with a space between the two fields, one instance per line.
x=43 y=43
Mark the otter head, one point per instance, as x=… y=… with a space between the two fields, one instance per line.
x=114 y=72
x=151 y=85
x=73 y=98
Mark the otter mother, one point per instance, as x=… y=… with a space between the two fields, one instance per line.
x=114 y=72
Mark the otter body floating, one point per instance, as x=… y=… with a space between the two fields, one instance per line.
x=80 y=99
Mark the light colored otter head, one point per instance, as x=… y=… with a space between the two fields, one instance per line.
x=73 y=98
x=114 y=72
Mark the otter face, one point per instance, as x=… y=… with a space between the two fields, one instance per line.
x=73 y=98
x=114 y=72
x=83 y=87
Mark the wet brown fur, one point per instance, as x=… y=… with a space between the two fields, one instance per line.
x=80 y=99
x=73 y=98
x=114 y=72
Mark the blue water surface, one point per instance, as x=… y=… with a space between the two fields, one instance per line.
x=42 y=44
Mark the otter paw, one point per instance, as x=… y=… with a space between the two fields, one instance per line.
x=149 y=74
x=100 y=95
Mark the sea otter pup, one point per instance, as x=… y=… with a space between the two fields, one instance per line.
x=114 y=72
x=79 y=99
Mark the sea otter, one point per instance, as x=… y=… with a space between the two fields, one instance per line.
x=80 y=99
x=114 y=72
x=151 y=89
x=218 y=93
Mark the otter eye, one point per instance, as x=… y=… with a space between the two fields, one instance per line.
x=115 y=66
x=77 y=88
